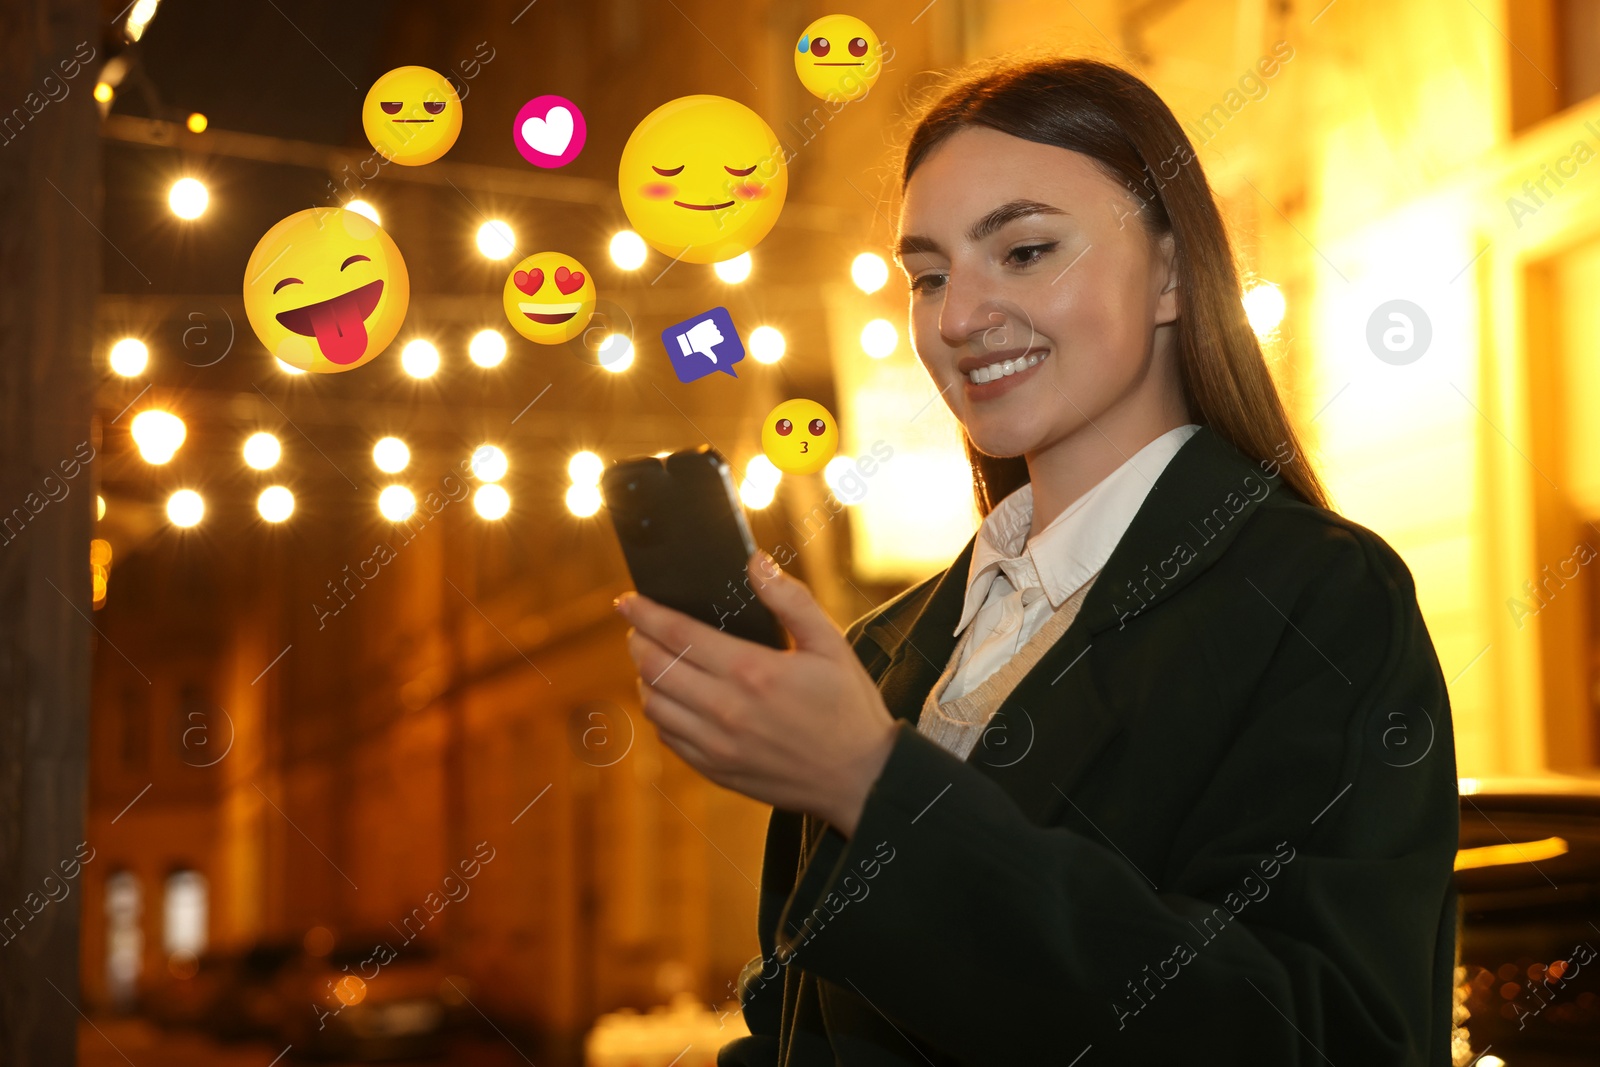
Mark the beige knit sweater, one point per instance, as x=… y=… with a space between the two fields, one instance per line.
x=957 y=725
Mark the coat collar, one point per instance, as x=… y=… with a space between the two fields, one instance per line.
x=1048 y=730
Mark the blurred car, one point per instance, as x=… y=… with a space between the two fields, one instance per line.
x=1528 y=874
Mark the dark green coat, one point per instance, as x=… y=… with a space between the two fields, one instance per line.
x=1214 y=824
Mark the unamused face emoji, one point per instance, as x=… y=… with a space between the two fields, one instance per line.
x=549 y=298
x=839 y=56
x=799 y=436
x=326 y=290
x=412 y=115
x=703 y=179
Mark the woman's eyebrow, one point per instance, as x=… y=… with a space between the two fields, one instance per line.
x=1010 y=211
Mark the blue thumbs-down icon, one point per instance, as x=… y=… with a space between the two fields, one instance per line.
x=705 y=343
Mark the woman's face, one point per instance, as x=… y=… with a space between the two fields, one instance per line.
x=1025 y=252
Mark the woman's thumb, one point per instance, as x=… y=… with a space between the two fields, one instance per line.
x=795 y=607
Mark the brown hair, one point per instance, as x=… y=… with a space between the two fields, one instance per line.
x=1113 y=117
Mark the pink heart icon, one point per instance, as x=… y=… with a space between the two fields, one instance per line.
x=529 y=281
x=549 y=131
x=568 y=281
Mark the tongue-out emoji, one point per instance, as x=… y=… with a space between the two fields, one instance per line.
x=326 y=290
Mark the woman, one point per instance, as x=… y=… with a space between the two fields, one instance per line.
x=1161 y=769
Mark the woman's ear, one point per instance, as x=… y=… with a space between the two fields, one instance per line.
x=1165 y=269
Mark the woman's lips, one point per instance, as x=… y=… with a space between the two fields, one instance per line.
x=997 y=387
x=339 y=323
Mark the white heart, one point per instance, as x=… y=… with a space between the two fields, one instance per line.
x=551 y=134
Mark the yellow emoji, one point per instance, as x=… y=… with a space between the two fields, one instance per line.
x=838 y=55
x=799 y=436
x=326 y=290
x=548 y=298
x=703 y=179
x=412 y=115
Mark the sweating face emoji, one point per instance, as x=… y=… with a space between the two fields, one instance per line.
x=549 y=298
x=326 y=290
x=838 y=56
x=799 y=436
x=702 y=179
x=412 y=116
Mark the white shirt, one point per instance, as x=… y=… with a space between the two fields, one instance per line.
x=1015 y=584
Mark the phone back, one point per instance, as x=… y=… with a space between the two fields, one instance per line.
x=686 y=540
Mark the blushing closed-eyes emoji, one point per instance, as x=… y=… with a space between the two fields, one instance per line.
x=326 y=290
x=838 y=55
x=412 y=115
x=799 y=436
x=549 y=298
x=703 y=179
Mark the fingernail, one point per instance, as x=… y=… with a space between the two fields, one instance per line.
x=616 y=602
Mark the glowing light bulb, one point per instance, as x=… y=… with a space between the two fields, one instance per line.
x=420 y=359
x=276 y=503
x=879 y=338
x=185 y=508
x=616 y=353
x=396 y=503
x=767 y=344
x=735 y=270
x=491 y=501
x=188 y=198
x=583 y=500
x=585 y=468
x=262 y=451
x=869 y=272
x=628 y=250
x=1264 y=307
x=489 y=463
x=487 y=348
x=197 y=122
x=361 y=207
x=391 y=455
x=495 y=240
x=158 y=434
x=129 y=357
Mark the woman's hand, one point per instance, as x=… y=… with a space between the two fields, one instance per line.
x=803 y=729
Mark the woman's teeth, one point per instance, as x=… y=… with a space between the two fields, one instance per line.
x=1005 y=367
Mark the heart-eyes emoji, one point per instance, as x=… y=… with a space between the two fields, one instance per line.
x=549 y=298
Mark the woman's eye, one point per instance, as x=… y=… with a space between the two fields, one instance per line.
x=923 y=283
x=1028 y=254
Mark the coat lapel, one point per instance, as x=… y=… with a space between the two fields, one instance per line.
x=1052 y=725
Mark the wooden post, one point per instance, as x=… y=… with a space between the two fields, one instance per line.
x=50 y=257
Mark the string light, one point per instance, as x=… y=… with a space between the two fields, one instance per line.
x=628 y=250
x=420 y=359
x=276 y=503
x=129 y=357
x=188 y=198
x=879 y=338
x=396 y=503
x=491 y=501
x=585 y=468
x=103 y=93
x=262 y=451
x=1264 y=307
x=197 y=122
x=616 y=352
x=361 y=207
x=158 y=434
x=489 y=463
x=495 y=240
x=288 y=368
x=487 y=348
x=869 y=272
x=390 y=455
x=185 y=508
x=735 y=270
x=583 y=500
x=767 y=344
x=760 y=485
x=100 y=506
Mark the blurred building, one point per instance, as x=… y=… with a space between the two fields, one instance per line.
x=310 y=724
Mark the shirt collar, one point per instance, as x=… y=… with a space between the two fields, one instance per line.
x=1077 y=542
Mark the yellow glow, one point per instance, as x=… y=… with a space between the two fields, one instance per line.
x=350 y=990
x=585 y=468
x=262 y=451
x=391 y=455
x=362 y=207
x=869 y=272
x=420 y=359
x=491 y=501
x=1501 y=855
x=158 y=434
x=495 y=240
x=755 y=496
x=275 y=503
x=287 y=368
x=879 y=338
x=139 y=18
x=487 y=348
x=396 y=503
x=1264 y=307
x=103 y=92
x=616 y=353
x=99 y=552
x=188 y=198
x=735 y=270
x=628 y=250
x=836 y=468
x=767 y=344
x=583 y=500
x=762 y=472
x=100 y=506
x=129 y=357
x=489 y=463
x=185 y=508
x=197 y=122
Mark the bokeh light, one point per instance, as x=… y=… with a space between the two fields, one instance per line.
x=495 y=239
x=487 y=348
x=100 y=506
x=489 y=463
x=362 y=207
x=396 y=503
x=628 y=250
x=585 y=468
x=103 y=93
x=420 y=359
x=491 y=501
x=583 y=500
x=755 y=497
x=129 y=357
x=288 y=368
x=188 y=198
x=185 y=508
x=390 y=455
x=879 y=338
x=616 y=353
x=262 y=451
x=766 y=344
x=735 y=270
x=197 y=122
x=869 y=272
x=158 y=434
x=275 y=503
x=1264 y=307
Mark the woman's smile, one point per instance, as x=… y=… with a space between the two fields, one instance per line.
x=996 y=373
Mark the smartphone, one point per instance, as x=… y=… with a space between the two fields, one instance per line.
x=686 y=539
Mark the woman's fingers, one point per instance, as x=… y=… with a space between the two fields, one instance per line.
x=795 y=607
x=705 y=646
x=685 y=732
x=677 y=676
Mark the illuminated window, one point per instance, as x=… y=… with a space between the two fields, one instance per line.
x=124 y=937
x=183 y=914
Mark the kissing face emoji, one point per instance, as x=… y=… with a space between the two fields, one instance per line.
x=549 y=298
x=412 y=115
x=703 y=179
x=839 y=56
x=799 y=436
x=326 y=290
